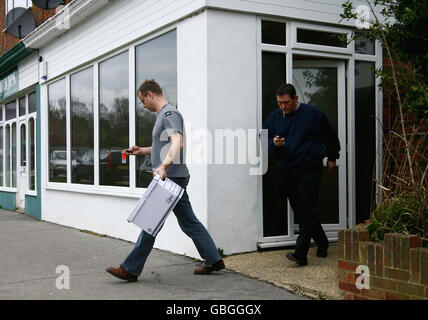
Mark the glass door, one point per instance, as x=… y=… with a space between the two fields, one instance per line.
x=22 y=167
x=323 y=84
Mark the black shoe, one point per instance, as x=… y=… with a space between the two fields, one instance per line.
x=292 y=256
x=322 y=252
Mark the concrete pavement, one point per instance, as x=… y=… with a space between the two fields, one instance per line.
x=31 y=252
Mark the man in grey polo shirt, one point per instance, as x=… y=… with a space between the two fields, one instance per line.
x=167 y=145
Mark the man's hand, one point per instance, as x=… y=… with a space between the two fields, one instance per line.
x=134 y=151
x=331 y=165
x=278 y=142
x=161 y=171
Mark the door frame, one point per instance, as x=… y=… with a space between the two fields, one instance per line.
x=341 y=133
x=21 y=185
x=343 y=89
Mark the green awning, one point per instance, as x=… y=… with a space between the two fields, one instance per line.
x=15 y=55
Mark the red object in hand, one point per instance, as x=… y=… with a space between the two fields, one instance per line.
x=123 y=156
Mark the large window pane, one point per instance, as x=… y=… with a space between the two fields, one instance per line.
x=322 y=38
x=155 y=59
x=1 y=157
x=11 y=111
x=114 y=120
x=32 y=102
x=365 y=137
x=275 y=220
x=7 y=155
x=32 y=159
x=82 y=127
x=273 y=32
x=57 y=132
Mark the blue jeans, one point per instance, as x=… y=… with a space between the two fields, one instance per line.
x=134 y=262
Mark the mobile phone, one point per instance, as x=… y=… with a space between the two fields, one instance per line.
x=128 y=151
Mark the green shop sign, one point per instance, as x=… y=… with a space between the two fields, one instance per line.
x=9 y=84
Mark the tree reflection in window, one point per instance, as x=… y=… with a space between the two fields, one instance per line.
x=82 y=126
x=114 y=120
x=57 y=132
x=155 y=59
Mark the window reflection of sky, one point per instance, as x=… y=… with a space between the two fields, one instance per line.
x=157 y=59
x=114 y=80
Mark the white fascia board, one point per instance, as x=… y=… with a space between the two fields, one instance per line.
x=71 y=15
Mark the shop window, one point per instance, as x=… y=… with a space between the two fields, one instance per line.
x=1 y=157
x=7 y=155
x=82 y=126
x=11 y=111
x=32 y=103
x=362 y=45
x=32 y=156
x=57 y=132
x=323 y=38
x=273 y=33
x=275 y=221
x=164 y=70
x=22 y=106
x=114 y=120
x=365 y=137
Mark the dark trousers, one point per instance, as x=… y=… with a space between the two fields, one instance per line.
x=301 y=186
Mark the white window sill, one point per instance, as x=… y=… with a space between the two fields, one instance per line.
x=98 y=190
x=11 y=190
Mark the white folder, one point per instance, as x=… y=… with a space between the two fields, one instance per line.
x=156 y=204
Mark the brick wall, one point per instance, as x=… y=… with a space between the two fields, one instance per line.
x=398 y=267
x=7 y=41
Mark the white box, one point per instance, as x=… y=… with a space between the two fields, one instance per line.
x=155 y=205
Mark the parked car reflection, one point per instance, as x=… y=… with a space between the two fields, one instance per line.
x=58 y=164
x=113 y=172
x=84 y=171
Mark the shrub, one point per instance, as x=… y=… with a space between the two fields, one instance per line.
x=405 y=213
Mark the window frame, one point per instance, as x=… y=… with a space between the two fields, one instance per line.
x=349 y=50
x=19 y=120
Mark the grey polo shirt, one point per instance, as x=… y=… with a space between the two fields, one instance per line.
x=168 y=121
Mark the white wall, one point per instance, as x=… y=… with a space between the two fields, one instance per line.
x=325 y=11
x=118 y=24
x=28 y=71
x=105 y=214
x=233 y=206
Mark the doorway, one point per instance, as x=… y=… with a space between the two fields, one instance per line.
x=323 y=84
x=22 y=167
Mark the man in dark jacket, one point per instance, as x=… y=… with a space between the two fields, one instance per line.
x=301 y=136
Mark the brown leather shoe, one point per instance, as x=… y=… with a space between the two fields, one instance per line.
x=207 y=270
x=122 y=274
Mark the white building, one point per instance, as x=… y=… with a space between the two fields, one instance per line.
x=220 y=63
